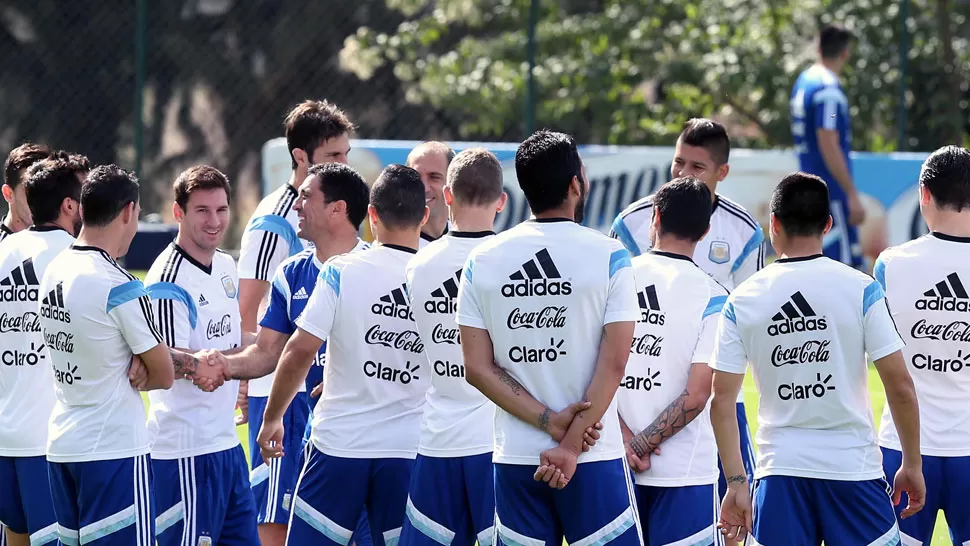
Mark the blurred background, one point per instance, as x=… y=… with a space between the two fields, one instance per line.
x=158 y=86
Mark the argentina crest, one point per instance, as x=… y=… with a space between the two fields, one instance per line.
x=229 y=286
x=719 y=253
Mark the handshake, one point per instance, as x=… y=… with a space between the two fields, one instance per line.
x=208 y=370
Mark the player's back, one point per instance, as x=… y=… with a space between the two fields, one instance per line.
x=376 y=374
x=98 y=415
x=558 y=269
x=679 y=305
x=926 y=285
x=195 y=308
x=26 y=385
x=818 y=102
x=457 y=417
x=806 y=327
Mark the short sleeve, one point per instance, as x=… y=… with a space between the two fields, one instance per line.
x=470 y=311
x=729 y=353
x=318 y=315
x=621 y=301
x=751 y=259
x=175 y=313
x=266 y=243
x=277 y=315
x=828 y=104
x=130 y=308
x=880 y=334
x=704 y=348
x=621 y=232
x=879 y=271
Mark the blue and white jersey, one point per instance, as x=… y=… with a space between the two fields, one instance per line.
x=818 y=102
x=292 y=286
x=270 y=238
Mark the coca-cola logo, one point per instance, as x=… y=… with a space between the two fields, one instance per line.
x=408 y=340
x=29 y=323
x=552 y=316
x=60 y=341
x=647 y=344
x=219 y=328
x=441 y=335
x=807 y=353
x=957 y=330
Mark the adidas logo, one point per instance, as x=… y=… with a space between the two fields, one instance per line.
x=202 y=300
x=21 y=284
x=301 y=294
x=650 y=306
x=534 y=279
x=947 y=295
x=52 y=306
x=796 y=315
x=445 y=298
x=394 y=305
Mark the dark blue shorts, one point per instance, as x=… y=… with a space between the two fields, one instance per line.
x=26 y=505
x=273 y=484
x=947 y=480
x=679 y=515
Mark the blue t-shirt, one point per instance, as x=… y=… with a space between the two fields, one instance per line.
x=818 y=102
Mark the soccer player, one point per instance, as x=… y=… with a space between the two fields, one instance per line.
x=805 y=324
x=821 y=130
x=668 y=382
x=95 y=317
x=53 y=193
x=431 y=160
x=14 y=172
x=451 y=499
x=316 y=132
x=733 y=248
x=366 y=424
x=926 y=284
x=201 y=475
x=581 y=283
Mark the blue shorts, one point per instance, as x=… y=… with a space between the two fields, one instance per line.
x=205 y=496
x=104 y=503
x=947 y=481
x=333 y=493
x=596 y=507
x=841 y=243
x=747 y=453
x=450 y=501
x=805 y=512
x=273 y=485
x=679 y=515
x=26 y=506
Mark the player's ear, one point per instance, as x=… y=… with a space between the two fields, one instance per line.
x=177 y=212
x=7 y=193
x=774 y=228
x=299 y=155
x=502 y=201
x=723 y=171
x=448 y=195
x=828 y=225
x=576 y=186
x=924 y=195
x=427 y=211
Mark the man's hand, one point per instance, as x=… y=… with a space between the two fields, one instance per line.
x=857 y=214
x=735 y=520
x=556 y=423
x=242 y=403
x=317 y=391
x=137 y=374
x=213 y=370
x=911 y=481
x=270 y=440
x=591 y=435
x=556 y=467
x=637 y=463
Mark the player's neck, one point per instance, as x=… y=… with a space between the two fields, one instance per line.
x=106 y=238
x=296 y=178
x=473 y=219
x=800 y=247
x=409 y=238
x=564 y=211
x=674 y=245
x=335 y=244
x=62 y=223
x=832 y=64
x=952 y=223
x=435 y=227
x=198 y=254
x=14 y=223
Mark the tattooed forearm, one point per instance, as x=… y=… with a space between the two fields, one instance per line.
x=544 y=420
x=671 y=420
x=739 y=478
x=508 y=380
x=184 y=363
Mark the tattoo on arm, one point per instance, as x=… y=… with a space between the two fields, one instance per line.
x=544 y=419
x=508 y=380
x=184 y=363
x=739 y=478
x=671 y=420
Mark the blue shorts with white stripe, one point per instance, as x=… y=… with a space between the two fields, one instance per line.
x=595 y=508
x=273 y=484
x=104 y=503
x=205 y=499
x=25 y=502
x=747 y=453
x=685 y=515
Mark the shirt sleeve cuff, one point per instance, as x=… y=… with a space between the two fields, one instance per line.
x=621 y=316
x=471 y=322
x=887 y=350
x=727 y=368
x=145 y=347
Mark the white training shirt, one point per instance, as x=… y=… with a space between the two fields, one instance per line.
x=457 y=418
x=26 y=382
x=195 y=308
x=679 y=308
x=88 y=298
x=269 y=239
x=578 y=280
x=805 y=326
x=926 y=283
x=376 y=373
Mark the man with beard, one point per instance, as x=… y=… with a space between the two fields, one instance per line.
x=15 y=172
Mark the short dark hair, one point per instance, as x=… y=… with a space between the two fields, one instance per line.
x=340 y=182
x=398 y=196
x=20 y=158
x=832 y=40
x=801 y=203
x=710 y=135
x=946 y=174
x=200 y=177
x=313 y=122
x=475 y=177
x=684 y=205
x=545 y=165
x=50 y=181
x=106 y=192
